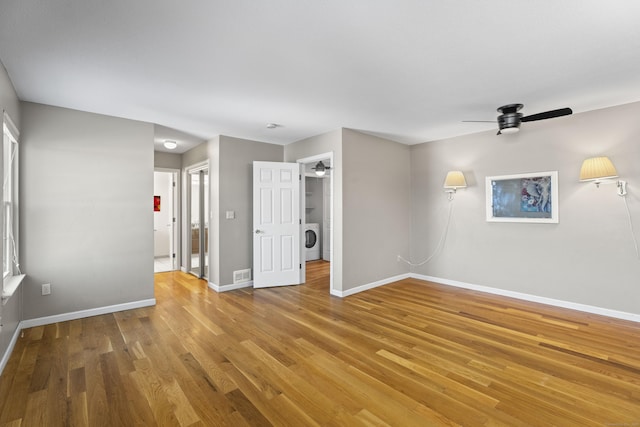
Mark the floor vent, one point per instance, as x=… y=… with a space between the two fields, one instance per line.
x=241 y=276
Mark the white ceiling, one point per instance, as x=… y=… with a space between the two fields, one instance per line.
x=408 y=70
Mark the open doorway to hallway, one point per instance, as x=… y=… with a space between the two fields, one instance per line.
x=318 y=219
x=165 y=236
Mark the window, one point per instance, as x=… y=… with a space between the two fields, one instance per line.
x=11 y=274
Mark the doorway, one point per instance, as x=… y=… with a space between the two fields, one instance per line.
x=317 y=211
x=165 y=232
x=197 y=236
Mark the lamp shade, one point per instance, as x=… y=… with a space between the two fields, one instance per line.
x=597 y=168
x=455 y=179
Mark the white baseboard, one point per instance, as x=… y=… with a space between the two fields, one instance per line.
x=496 y=291
x=368 y=286
x=7 y=353
x=231 y=287
x=47 y=320
x=30 y=323
x=533 y=298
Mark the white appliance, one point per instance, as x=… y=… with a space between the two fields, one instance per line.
x=312 y=241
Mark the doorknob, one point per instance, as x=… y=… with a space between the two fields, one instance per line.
x=259 y=231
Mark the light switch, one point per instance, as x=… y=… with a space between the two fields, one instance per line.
x=231 y=215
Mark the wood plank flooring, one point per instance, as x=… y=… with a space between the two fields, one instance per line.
x=411 y=353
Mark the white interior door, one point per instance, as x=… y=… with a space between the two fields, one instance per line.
x=276 y=224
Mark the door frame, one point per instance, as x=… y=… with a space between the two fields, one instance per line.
x=175 y=240
x=304 y=161
x=186 y=223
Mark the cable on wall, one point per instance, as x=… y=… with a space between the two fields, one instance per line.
x=440 y=245
x=633 y=234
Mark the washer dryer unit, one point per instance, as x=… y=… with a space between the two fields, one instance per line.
x=312 y=241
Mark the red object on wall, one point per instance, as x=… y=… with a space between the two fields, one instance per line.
x=156 y=203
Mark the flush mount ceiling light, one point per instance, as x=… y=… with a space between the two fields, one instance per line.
x=320 y=168
x=170 y=145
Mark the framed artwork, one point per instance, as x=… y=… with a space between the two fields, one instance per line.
x=156 y=203
x=526 y=197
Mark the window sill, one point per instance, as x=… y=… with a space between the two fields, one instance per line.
x=10 y=287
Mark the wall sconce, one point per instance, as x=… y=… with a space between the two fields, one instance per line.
x=453 y=181
x=597 y=169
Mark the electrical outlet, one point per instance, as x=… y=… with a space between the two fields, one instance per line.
x=46 y=289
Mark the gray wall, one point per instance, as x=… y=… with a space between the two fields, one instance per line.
x=235 y=181
x=587 y=258
x=314 y=200
x=196 y=155
x=167 y=160
x=376 y=207
x=11 y=311
x=320 y=144
x=86 y=218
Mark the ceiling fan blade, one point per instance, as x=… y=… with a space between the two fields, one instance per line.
x=547 y=115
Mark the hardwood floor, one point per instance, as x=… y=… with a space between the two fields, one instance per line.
x=407 y=354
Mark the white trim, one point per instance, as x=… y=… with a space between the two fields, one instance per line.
x=12 y=344
x=186 y=195
x=47 y=320
x=231 y=287
x=11 y=127
x=11 y=284
x=533 y=298
x=315 y=158
x=633 y=317
x=368 y=286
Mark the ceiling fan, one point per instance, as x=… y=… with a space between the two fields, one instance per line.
x=320 y=168
x=509 y=120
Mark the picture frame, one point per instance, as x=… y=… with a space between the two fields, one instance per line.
x=525 y=197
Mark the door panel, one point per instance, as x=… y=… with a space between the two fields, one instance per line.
x=326 y=219
x=198 y=201
x=276 y=224
x=195 y=223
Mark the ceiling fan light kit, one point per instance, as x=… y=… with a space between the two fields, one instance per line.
x=510 y=118
x=320 y=168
